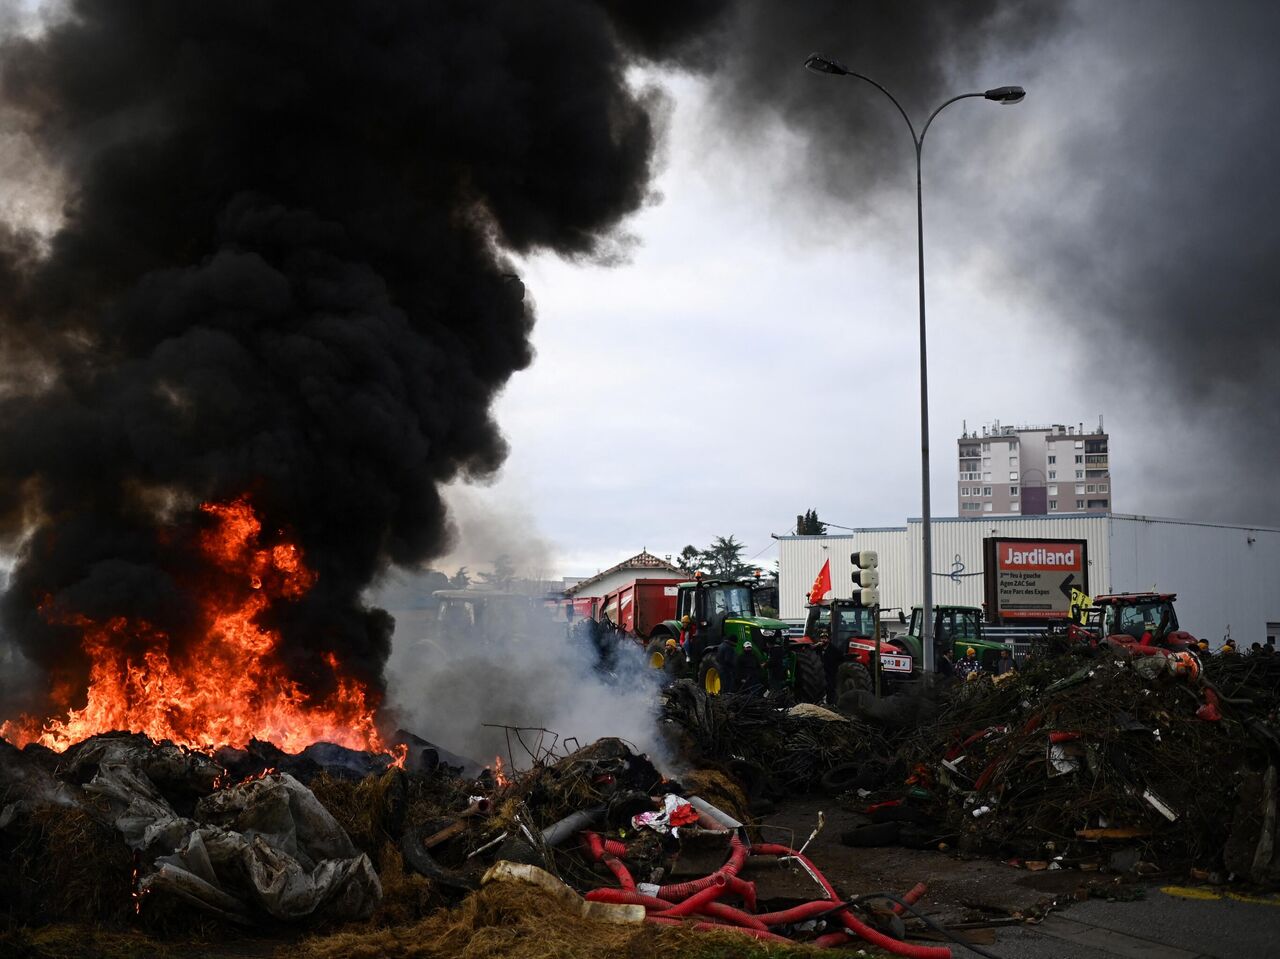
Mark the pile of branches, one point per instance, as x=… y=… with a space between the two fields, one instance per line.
x=1074 y=757
x=775 y=747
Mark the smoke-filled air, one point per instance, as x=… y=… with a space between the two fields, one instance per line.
x=268 y=323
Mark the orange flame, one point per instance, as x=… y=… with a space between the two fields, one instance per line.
x=499 y=773
x=227 y=688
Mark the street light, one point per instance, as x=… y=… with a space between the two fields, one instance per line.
x=1003 y=95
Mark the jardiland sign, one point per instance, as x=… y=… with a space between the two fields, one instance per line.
x=1032 y=579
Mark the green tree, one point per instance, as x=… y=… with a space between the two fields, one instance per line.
x=724 y=558
x=808 y=524
x=691 y=558
x=461 y=579
x=503 y=575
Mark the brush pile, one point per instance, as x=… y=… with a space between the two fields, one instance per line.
x=1096 y=762
x=775 y=748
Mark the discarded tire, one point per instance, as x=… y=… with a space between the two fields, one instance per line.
x=811 y=679
x=842 y=778
x=880 y=834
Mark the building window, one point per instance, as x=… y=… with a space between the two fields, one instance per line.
x=1079 y=504
x=1013 y=491
x=1091 y=488
x=1097 y=504
x=1053 y=504
x=1079 y=459
x=971 y=506
x=986 y=507
x=1053 y=474
x=986 y=461
x=1053 y=459
x=1103 y=487
x=986 y=491
x=1013 y=461
x=1013 y=508
x=1079 y=474
x=1053 y=490
x=986 y=447
x=1079 y=487
x=986 y=476
x=1079 y=444
x=1013 y=474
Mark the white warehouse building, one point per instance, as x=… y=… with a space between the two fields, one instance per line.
x=1227 y=578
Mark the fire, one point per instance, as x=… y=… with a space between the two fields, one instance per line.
x=499 y=773
x=225 y=689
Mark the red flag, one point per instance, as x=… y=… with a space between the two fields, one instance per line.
x=821 y=585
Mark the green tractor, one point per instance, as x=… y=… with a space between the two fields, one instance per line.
x=955 y=630
x=718 y=639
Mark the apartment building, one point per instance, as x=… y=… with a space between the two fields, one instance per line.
x=1033 y=470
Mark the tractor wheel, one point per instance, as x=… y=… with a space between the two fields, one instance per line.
x=852 y=677
x=811 y=678
x=709 y=676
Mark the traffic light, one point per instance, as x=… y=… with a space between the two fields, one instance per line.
x=866 y=578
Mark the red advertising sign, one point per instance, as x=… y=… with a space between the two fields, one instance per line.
x=1032 y=579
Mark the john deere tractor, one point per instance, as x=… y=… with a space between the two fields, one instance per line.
x=718 y=638
x=955 y=630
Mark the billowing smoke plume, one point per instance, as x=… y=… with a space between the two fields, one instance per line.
x=280 y=273
x=1134 y=188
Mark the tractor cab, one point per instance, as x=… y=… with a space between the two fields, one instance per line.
x=1143 y=618
x=837 y=625
x=705 y=605
x=955 y=630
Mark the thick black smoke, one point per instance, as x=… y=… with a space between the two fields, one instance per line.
x=1140 y=209
x=280 y=273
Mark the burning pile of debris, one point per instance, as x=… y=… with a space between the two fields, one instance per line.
x=1101 y=762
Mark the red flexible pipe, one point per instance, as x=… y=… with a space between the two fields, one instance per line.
x=619 y=870
x=615 y=848
x=736 y=917
x=831 y=940
x=627 y=897
x=595 y=845
x=699 y=900
x=682 y=890
x=808 y=910
x=888 y=943
x=773 y=849
x=743 y=888
x=911 y=898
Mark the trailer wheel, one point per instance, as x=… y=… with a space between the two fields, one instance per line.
x=811 y=678
x=852 y=677
x=709 y=677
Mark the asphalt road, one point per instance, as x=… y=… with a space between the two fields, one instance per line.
x=1171 y=922
x=1161 y=926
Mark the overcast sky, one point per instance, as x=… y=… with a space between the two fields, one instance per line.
x=1105 y=247
x=756 y=356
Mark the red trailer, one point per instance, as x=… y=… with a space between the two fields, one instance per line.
x=638 y=607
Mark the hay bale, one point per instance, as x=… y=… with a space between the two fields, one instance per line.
x=517 y=921
x=719 y=790
x=64 y=862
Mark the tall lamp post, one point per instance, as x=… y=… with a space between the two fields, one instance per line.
x=1005 y=95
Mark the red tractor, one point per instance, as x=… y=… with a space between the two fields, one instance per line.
x=1135 y=619
x=1141 y=624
